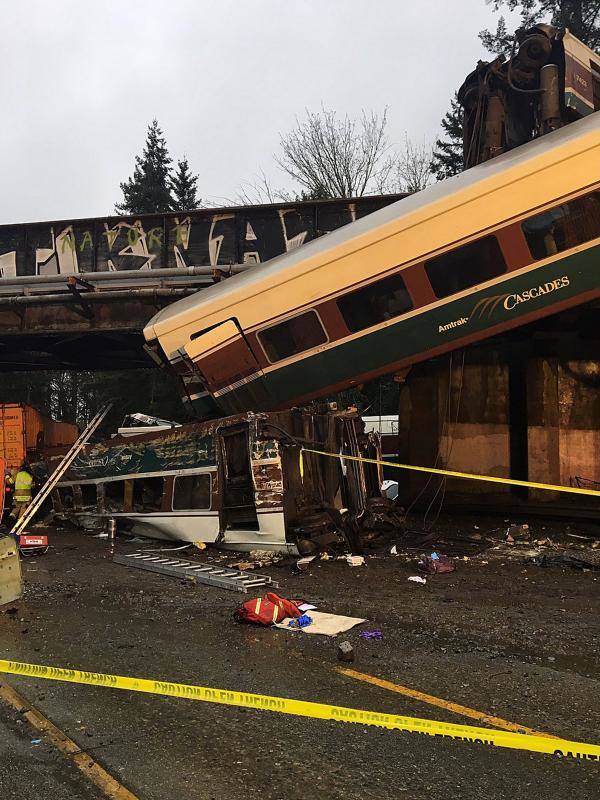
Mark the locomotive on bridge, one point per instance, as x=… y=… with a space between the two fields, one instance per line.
x=506 y=242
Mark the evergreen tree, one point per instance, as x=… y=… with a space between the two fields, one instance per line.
x=448 y=152
x=148 y=190
x=183 y=187
x=581 y=17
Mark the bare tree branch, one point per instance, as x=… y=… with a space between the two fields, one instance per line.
x=411 y=170
x=257 y=191
x=331 y=156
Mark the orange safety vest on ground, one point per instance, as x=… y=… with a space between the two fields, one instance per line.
x=23 y=485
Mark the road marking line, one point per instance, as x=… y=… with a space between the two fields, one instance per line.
x=110 y=787
x=308 y=708
x=456 y=708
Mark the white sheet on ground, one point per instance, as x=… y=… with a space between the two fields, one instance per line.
x=327 y=624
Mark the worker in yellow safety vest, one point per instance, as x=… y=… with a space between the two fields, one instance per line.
x=9 y=491
x=23 y=490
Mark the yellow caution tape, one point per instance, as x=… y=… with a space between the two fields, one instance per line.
x=551 y=487
x=304 y=708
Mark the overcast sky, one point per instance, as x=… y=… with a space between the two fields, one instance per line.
x=80 y=81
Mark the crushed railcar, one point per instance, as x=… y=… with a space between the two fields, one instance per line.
x=551 y=79
x=235 y=482
x=503 y=244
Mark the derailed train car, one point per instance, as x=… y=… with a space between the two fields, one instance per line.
x=507 y=242
x=235 y=482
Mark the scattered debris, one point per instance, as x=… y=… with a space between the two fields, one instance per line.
x=301 y=622
x=265 y=556
x=371 y=635
x=258 y=558
x=389 y=489
x=562 y=560
x=243 y=565
x=417 y=579
x=302 y=563
x=518 y=532
x=346 y=652
x=436 y=563
x=355 y=561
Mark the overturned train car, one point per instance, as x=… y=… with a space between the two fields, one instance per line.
x=235 y=482
x=507 y=242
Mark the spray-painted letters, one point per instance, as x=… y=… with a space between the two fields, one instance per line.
x=206 y=237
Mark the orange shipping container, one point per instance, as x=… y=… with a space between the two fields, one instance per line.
x=26 y=433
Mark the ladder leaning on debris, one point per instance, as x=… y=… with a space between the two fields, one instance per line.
x=60 y=470
x=223 y=577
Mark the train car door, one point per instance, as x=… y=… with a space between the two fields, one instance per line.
x=238 y=508
x=228 y=367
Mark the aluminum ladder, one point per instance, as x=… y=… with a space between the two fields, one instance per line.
x=64 y=465
x=223 y=577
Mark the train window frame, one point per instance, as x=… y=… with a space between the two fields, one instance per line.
x=138 y=487
x=85 y=489
x=431 y=265
x=362 y=291
x=65 y=494
x=209 y=475
x=109 y=498
x=554 y=215
x=305 y=312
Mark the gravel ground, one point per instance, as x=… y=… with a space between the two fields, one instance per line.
x=499 y=635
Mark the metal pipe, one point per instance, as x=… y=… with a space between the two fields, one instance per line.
x=138 y=275
x=93 y=297
x=550 y=98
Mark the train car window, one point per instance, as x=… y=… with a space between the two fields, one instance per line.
x=375 y=303
x=293 y=336
x=114 y=496
x=563 y=227
x=65 y=494
x=192 y=492
x=89 y=496
x=148 y=494
x=466 y=266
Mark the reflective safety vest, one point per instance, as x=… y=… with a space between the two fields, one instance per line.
x=23 y=484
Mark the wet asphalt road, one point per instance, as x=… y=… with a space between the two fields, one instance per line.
x=32 y=771
x=505 y=638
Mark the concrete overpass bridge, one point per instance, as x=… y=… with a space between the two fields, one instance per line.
x=77 y=293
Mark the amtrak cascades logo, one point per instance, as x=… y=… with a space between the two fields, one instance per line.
x=486 y=307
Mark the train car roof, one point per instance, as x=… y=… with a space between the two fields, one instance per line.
x=478 y=180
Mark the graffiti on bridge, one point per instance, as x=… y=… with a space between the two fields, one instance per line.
x=205 y=237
